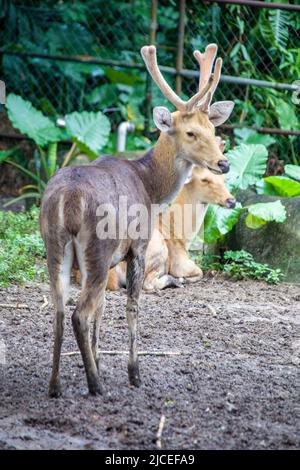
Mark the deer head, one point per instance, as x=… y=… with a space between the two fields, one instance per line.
x=212 y=188
x=192 y=127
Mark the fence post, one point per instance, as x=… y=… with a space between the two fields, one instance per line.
x=153 y=28
x=180 y=45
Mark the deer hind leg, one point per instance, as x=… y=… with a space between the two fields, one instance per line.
x=181 y=266
x=60 y=280
x=89 y=307
x=135 y=277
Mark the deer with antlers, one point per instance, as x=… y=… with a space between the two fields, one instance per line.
x=70 y=212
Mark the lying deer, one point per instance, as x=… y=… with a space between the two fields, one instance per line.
x=75 y=195
x=167 y=262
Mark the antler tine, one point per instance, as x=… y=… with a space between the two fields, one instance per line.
x=215 y=80
x=149 y=56
x=198 y=96
x=205 y=62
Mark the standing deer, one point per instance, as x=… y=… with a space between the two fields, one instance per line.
x=69 y=216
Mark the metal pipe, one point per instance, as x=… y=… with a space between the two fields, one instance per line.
x=123 y=128
x=180 y=45
x=258 y=4
x=170 y=70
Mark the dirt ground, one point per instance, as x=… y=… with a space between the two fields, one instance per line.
x=235 y=385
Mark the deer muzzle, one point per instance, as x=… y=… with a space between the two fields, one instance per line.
x=224 y=166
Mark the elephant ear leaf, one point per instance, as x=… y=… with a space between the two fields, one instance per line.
x=219 y=221
x=292 y=171
x=248 y=163
x=263 y=212
x=89 y=130
x=284 y=187
x=30 y=121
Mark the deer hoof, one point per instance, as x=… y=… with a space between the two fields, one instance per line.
x=55 y=390
x=134 y=375
x=95 y=388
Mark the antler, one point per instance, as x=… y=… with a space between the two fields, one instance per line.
x=149 y=56
x=205 y=62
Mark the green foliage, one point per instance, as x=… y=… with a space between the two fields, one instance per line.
x=241 y=265
x=275 y=28
x=22 y=250
x=238 y=265
x=5 y=154
x=283 y=186
x=249 y=136
x=90 y=131
x=260 y=43
x=30 y=121
x=247 y=164
x=286 y=115
x=261 y=213
x=293 y=171
x=219 y=221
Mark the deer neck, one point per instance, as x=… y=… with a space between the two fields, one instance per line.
x=163 y=171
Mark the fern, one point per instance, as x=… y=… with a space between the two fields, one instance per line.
x=279 y=24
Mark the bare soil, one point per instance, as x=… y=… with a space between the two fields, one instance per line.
x=236 y=386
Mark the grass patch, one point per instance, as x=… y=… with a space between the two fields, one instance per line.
x=22 y=252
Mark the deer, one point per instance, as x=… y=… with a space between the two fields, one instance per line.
x=167 y=262
x=69 y=217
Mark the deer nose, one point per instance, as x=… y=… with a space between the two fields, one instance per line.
x=230 y=203
x=224 y=166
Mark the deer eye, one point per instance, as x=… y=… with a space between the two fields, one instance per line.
x=190 y=134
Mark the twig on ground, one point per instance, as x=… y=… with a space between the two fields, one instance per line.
x=18 y=306
x=160 y=430
x=212 y=310
x=140 y=353
x=44 y=305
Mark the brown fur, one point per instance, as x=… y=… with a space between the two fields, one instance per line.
x=167 y=253
x=69 y=221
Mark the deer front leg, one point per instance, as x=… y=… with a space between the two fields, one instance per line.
x=135 y=277
x=153 y=282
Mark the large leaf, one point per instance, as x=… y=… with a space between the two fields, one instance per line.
x=89 y=130
x=219 y=221
x=30 y=121
x=293 y=171
x=262 y=187
x=284 y=186
x=249 y=136
x=286 y=115
x=263 y=212
x=247 y=165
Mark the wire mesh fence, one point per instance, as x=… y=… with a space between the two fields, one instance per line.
x=66 y=56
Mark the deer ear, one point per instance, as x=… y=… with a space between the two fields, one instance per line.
x=162 y=118
x=220 y=111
